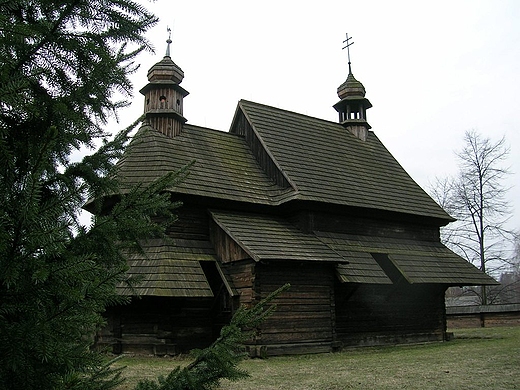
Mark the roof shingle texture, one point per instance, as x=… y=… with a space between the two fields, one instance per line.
x=266 y=237
x=223 y=164
x=322 y=159
x=170 y=268
x=417 y=261
x=329 y=164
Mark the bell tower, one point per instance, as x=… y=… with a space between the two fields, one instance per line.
x=163 y=95
x=353 y=105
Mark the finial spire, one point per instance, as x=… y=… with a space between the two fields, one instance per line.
x=347 y=46
x=169 y=41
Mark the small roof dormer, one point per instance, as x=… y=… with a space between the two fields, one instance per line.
x=353 y=105
x=163 y=106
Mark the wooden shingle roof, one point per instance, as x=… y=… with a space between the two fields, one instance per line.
x=322 y=161
x=417 y=261
x=170 y=268
x=223 y=165
x=266 y=237
x=361 y=267
x=329 y=164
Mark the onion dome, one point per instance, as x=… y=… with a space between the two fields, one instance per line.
x=351 y=88
x=352 y=107
x=166 y=70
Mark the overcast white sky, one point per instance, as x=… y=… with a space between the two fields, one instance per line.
x=432 y=70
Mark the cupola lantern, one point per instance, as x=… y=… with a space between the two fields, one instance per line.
x=353 y=105
x=163 y=95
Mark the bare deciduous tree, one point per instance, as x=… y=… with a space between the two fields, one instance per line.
x=510 y=280
x=476 y=197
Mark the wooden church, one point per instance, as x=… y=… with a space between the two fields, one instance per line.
x=283 y=198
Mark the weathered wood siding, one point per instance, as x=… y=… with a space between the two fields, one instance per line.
x=243 y=275
x=163 y=108
x=304 y=319
x=227 y=250
x=488 y=315
x=169 y=126
x=378 y=314
x=163 y=101
x=192 y=224
x=365 y=225
x=159 y=326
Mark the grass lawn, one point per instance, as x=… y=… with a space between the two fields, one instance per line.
x=482 y=358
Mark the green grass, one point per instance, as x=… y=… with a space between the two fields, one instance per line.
x=483 y=358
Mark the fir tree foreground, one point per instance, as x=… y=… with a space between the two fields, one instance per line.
x=62 y=66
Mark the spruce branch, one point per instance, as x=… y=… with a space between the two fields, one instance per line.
x=219 y=360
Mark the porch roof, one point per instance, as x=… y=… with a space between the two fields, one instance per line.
x=169 y=268
x=267 y=237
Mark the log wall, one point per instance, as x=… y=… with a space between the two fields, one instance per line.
x=243 y=275
x=192 y=224
x=365 y=225
x=382 y=314
x=158 y=326
x=305 y=315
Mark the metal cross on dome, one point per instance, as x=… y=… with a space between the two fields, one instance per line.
x=348 y=50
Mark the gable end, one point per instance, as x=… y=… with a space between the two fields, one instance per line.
x=226 y=248
x=242 y=127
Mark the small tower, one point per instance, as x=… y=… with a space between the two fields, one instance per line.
x=163 y=96
x=353 y=105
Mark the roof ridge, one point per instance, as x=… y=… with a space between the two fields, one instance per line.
x=290 y=112
x=188 y=125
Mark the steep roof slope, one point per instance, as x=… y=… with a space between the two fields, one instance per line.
x=329 y=164
x=322 y=161
x=223 y=164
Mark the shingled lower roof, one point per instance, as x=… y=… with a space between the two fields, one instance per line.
x=329 y=164
x=417 y=261
x=266 y=237
x=170 y=268
x=361 y=267
x=224 y=166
